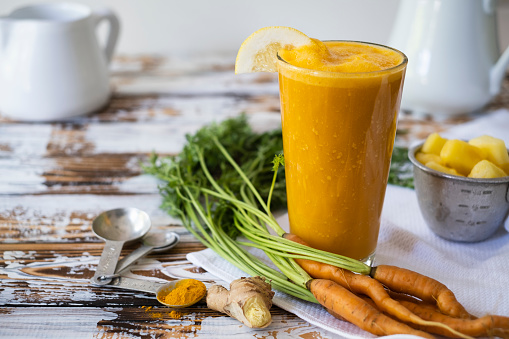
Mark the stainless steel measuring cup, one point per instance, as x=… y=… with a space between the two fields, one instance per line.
x=458 y=208
x=117 y=227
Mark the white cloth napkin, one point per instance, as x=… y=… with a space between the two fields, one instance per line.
x=478 y=273
x=495 y=124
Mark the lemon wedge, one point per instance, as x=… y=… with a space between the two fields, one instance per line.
x=258 y=53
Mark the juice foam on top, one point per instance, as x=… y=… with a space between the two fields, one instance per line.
x=342 y=56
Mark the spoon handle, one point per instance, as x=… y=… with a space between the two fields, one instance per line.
x=132 y=257
x=108 y=262
x=136 y=284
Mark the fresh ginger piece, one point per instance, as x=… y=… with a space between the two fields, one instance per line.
x=487 y=170
x=249 y=301
x=433 y=144
x=460 y=155
x=494 y=148
x=256 y=311
x=441 y=168
x=424 y=158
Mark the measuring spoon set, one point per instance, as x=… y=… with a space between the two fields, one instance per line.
x=125 y=225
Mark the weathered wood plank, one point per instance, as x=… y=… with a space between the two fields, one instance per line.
x=140 y=134
x=136 y=65
x=68 y=283
x=90 y=174
x=96 y=158
x=68 y=218
x=162 y=107
x=161 y=99
x=68 y=254
x=144 y=322
x=50 y=274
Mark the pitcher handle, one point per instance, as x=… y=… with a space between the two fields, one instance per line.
x=498 y=70
x=114 y=30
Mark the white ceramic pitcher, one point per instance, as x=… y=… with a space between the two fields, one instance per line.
x=455 y=65
x=51 y=64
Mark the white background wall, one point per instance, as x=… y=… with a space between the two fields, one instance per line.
x=189 y=26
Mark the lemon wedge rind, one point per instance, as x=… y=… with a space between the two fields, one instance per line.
x=258 y=53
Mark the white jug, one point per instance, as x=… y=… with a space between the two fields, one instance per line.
x=51 y=64
x=455 y=65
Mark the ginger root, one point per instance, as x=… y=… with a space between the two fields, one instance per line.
x=249 y=301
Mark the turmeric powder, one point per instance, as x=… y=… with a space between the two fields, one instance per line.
x=186 y=291
x=158 y=315
x=174 y=314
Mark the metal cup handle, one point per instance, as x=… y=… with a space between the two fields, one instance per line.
x=506 y=222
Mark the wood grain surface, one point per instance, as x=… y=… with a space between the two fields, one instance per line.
x=55 y=178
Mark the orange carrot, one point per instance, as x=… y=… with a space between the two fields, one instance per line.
x=343 y=303
x=489 y=325
x=486 y=326
x=402 y=296
x=362 y=284
x=405 y=281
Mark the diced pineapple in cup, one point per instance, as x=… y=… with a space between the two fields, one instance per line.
x=442 y=197
x=433 y=144
x=494 y=148
x=440 y=168
x=460 y=155
x=485 y=169
x=424 y=158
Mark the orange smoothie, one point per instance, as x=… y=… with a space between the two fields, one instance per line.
x=339 y=112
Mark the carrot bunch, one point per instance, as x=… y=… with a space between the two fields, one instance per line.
x=393 y=300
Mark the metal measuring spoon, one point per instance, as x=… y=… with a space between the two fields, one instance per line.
x=152 y=242
x=116 y=227
x=159 y=289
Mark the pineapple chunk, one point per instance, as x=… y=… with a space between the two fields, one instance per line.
x=424 y=158
x=486 y=169
x=495 y=149
x=437 y=167
x=460 y=155
x=505 y=167
x=433 y=144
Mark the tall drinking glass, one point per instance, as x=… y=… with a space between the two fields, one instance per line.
x=338 y=137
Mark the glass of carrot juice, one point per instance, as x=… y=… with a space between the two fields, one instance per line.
x=339 y=113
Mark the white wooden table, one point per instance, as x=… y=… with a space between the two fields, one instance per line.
x=56 y=177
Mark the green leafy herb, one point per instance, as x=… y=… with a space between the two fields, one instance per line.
x=401 y=171
x=248 y=149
